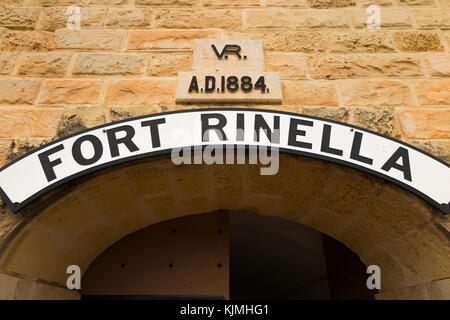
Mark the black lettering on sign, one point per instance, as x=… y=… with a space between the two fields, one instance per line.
x=405 y=167
x=356 y=148
x=78 y=155
x=218 y=128
x=294 y=132
x=325 y=146
x=260 y=123
x=48 y=165
x=210 y=83
x=193 y=87
x=126 y=140
x=154 y=130
x=227 y=49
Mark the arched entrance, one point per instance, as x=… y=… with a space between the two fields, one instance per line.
x=379 y=221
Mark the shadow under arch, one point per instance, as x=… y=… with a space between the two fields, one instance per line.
x=381 y=222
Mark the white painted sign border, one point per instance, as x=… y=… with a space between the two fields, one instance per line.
x=24 y=180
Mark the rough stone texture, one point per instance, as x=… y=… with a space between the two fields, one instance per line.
x=432 y=92
x=141 y=92
x=55 y=18
x=375 y=92
x=7 y=61
x=8 y=285
x=165 y=65
x=390 y=18
x=28 y=122
x=322 y=18
x=44 y=64
x=425 y=123
x=417 y=41
x=304 y=93
x=232 y=3
x=168 y=39
x=165 y=2
x=285 y=3
x=416 y=2
x=18 y=18
x=71 y=91
x=378 y=119
x=367 y=3
x=4 y=147
x=26 y=41
x=267 y=18
x=438 y=66
x=432 y=18
x=126 y=112
x=108 y=64
x=19 y=147
x=289 y=65
x=363 y=66
x=330 y=3
x=201 y=19
x=74 y=119
x=18 y=91
x=129 y=18
x=89 y=39
x=333 y=113
x=439 y=148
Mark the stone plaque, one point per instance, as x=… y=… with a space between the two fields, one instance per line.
x=228 y=87
x=228 y=71
x=228 y=55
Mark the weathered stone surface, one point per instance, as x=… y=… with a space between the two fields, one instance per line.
x=333 y=113
x=289 y=65
x=439 y=290
x=438 y=65
x=42 y=291
x=375 y=92
x=8 y=285
x=417 y=41
x=195 y=18
x=47 y=3
x=141 y=92
x=108 y=64
x=320 y=18
x=44 y=64
x=205 y=58
x=18 y=18
x=55 y=18
x=316 y=42
x=168 y=39
x=330 y=3
x=432 y=92
x=26 y=41
x=415 y=2
x=408 y=293
x=28 y=122
x=304 y=93
x=232 y=3
x=168 y=65
x=354 y=42
x=173 y=3
x=439 y=148
x=267 y=18
x=71 y=91
x=425 y=123
x=19 y=147
x=432 y=17
x=129 y=18
x=75 y=119
x=7 y=61
x=378 y=119
x=363 y=66
x=389 y=18
x=125 y=112
x=18 y=91
x=367 y=3
x=4 y=147
x=285 y=3
x=99 y=39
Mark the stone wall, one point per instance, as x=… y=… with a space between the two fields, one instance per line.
x=124 y=60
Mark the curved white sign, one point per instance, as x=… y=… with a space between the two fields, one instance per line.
x=45 y=168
